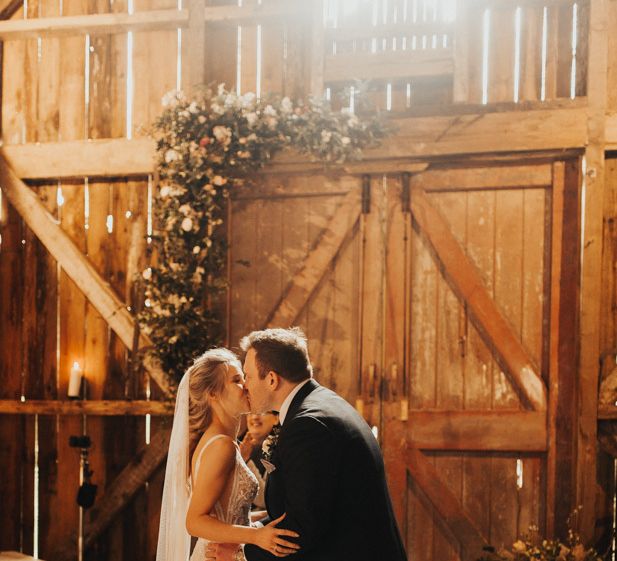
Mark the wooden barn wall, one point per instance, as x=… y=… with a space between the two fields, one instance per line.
x=506 y=234
x=59 y=88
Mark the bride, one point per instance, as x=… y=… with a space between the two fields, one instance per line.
x=208 y=488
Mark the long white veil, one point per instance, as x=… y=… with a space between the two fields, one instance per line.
x=174 y=541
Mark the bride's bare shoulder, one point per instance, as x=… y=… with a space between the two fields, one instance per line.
x=214 y=452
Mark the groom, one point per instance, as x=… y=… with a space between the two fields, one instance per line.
x=326 y=468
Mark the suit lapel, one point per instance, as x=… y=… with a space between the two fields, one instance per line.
x=298 y=399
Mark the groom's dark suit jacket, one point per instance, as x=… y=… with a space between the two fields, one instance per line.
x=330 y=481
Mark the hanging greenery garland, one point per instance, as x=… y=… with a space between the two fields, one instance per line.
x=206 y=147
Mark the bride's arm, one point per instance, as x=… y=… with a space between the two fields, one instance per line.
x=216 y=468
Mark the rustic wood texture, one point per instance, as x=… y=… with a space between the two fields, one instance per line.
x=91 y=407
x=500 y=212
x=521 y=369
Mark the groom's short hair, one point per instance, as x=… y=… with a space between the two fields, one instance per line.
x=283 y=351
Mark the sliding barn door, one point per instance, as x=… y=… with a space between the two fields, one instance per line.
x=478 y=326
x=441 y=303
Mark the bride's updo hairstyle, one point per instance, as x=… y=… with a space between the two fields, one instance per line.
x=207 y=377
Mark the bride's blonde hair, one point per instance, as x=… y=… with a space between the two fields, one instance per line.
x=206 y=379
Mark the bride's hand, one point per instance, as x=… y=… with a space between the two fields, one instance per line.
x=271 y=539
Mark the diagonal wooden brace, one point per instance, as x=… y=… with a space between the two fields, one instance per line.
x=77 y=266
x=467 y=283
x=445 y=503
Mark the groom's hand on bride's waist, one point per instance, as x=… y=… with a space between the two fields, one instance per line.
x=221 y=551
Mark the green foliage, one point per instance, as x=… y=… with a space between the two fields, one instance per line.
x=206 y=147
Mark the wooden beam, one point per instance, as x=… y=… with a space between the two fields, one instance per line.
x=88 y=407
x=307 y=278
x=117 y=495
x=153 y=20
x=416 y=138
x=445 y=503
x=252 y=12
x=8 y=9
x=468 y=284
x=498 y=177
x=76 y=265
x=591 y=303
x=478 y=430
x=388 y=65
x=87 y=158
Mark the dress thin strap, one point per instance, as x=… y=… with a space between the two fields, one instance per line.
x=210 y=441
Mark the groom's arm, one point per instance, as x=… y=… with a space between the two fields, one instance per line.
x=309 y=466
x=310 y=463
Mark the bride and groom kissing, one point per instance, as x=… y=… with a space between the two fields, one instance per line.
x=326 y=493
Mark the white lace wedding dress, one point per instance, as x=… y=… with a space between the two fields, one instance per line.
x=234 y=506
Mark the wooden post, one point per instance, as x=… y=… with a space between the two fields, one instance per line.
x=591 y=273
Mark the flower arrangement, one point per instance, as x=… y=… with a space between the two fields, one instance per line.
x=533 y=547
x=207 y=146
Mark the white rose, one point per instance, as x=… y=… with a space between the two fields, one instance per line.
x=193 y=107
x=147 y=273
x=171 y=156
x=286 y=105
x=251 y=119
x=201 y=119
x=165 y=191
x=196 y=249
x=270 y=111
x=169 y=98
x=221 y=133
x=185 y=209
x=173 y=339
x=326 y=136
x=220 y=90
x=187 y=224
x=219 y=180
x=345 y=140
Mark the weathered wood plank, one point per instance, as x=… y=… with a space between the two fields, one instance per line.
x=592 y=200
x=90 y=407
x=478 y=430
x=387 y=65
x=490 y=178
x=77 y=266
x=470 y=287
x=445 y=503
x=416 y=137
x=91 y=158
x=305 y=281
x=128 y=482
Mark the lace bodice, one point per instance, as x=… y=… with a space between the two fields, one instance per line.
x=235 y=503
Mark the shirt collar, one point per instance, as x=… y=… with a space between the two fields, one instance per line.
x=287 y=402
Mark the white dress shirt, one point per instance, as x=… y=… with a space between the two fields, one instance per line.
x=287 y=402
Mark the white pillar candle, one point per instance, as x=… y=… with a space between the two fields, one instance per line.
x=75 y=381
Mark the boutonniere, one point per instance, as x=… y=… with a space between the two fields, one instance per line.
x=269 y=444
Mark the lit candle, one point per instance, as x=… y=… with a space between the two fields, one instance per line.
x=75 y=381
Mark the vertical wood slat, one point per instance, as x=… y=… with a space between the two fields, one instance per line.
x=394 y=432
x=72 y=126
x=591 y=266
x=462 y=45
x=11 y=429
x=221 y=51
x=531 y=53
x=501 y=54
